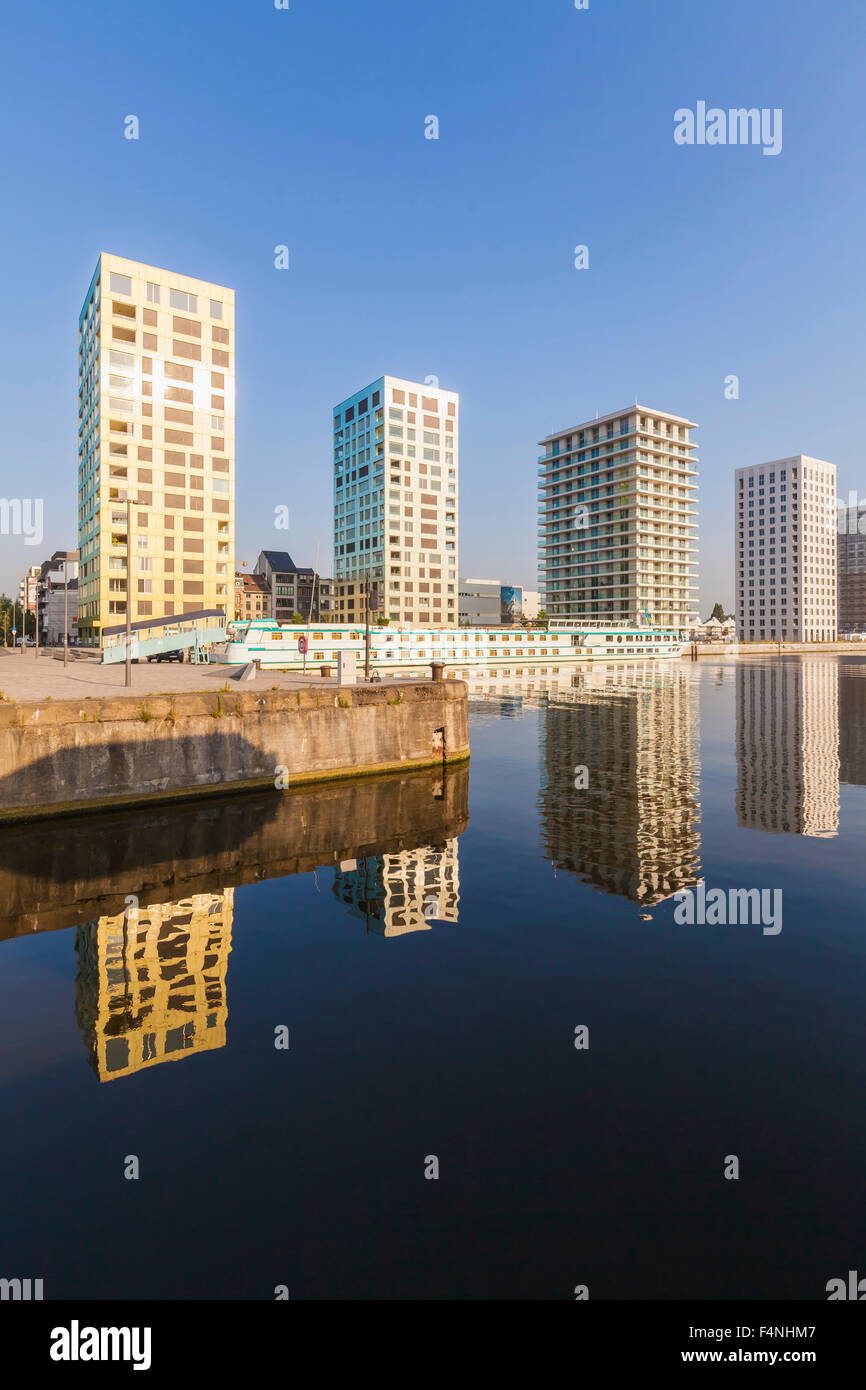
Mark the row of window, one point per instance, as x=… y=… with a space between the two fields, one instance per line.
x=177 y=299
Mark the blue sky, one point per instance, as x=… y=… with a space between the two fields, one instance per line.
x=451 y=257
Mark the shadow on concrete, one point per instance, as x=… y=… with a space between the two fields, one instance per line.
x=149 y=766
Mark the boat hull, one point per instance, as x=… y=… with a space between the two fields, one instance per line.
x=411 y=650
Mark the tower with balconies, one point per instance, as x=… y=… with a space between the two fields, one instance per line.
x=617 y=520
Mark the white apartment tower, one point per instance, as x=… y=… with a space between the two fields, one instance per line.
x=785 y=528
x=395 y=502
x=617 y=520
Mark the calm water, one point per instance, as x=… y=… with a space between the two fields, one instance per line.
x=431 y=944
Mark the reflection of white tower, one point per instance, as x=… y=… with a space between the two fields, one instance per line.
x=403 y=892
x=788 y=747
x=421 y=887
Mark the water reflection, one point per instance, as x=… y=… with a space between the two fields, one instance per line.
x=151 y=895
x=619 y=804
x=618 y=807
x=171 y=855
x=852 y=724
x=787 y=746
x=151 y=983
x=404 y=892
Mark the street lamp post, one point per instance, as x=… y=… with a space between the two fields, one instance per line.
x=36 y=633
x=367 y=627
x=65 y=612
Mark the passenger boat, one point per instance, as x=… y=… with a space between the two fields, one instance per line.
x=409 y=649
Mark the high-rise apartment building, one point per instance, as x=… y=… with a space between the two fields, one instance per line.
x=785 y=528
x=395 y=502
x=851 y=577
x=617 y=520
x=156 y=424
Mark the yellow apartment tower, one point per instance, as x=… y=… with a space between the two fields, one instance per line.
x=156 y=424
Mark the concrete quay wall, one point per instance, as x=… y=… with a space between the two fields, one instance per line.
x=73 y=755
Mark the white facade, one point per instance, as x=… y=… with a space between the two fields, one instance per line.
x=785 y=530
x=396 y=468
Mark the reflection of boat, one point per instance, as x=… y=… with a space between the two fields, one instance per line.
x=533 y=685
x=412 y=648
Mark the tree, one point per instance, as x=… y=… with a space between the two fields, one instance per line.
x=542 y=620
x=297 y=618
x=718 y=612
x=10 y=616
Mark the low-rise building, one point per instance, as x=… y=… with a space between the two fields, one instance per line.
x=294 y=589
x=252 y=597
x=531 y=604
x=487 y=603
x=480 y=602
x=56 y=605
x=714 y=631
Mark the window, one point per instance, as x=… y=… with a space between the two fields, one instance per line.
x=152 y=293
x=217 y=422
x=187 y=326
x=119 y=284
x=179 y=300
x=216 y=309
x=220 y=485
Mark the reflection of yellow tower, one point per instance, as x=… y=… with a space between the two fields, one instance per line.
x=151 y=984
x=403 y=892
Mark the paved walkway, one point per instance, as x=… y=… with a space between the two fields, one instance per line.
x=28 y=678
